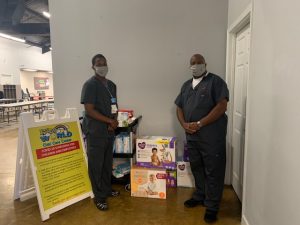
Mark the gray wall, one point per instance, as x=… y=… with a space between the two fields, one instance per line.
x=15 y=55
x=235 y=8
x=272 y=183
x=148 y=44
x=272 y=164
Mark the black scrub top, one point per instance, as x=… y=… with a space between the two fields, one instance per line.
x=197 y=103
x=97 y=93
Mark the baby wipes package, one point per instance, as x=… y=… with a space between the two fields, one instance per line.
x=185 y=177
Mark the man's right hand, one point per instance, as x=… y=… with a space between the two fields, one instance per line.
x=188 y=128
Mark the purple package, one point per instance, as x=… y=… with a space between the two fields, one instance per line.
x=185 y=153
x=170 y=166
x=171 y=178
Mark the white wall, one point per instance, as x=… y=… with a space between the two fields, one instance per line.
x=148 y=44
x=235 y=8
x=27 y=81
x=272 y=172
x=15 y=55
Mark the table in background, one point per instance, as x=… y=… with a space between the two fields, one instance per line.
x=35 y=106
x=7 y=100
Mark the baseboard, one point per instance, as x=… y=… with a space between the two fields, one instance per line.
x=245 y=221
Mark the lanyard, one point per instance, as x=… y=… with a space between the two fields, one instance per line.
x=105 y=84
x=112 y=99
x=108 y=91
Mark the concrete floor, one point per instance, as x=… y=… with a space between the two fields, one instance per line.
x=122 y=210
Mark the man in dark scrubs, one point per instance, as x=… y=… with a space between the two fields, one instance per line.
x=201 y=107
x=100 y=102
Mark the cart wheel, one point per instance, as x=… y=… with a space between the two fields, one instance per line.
x=127 y=187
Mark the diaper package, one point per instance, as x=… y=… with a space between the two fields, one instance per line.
x=171 y=178
x=122 y=144
x=121 y=167
x=148 y=183
x=186 y=157
x=156 y=152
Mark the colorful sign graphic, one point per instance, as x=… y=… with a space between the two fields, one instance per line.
x=41 y=83
x=60 y=163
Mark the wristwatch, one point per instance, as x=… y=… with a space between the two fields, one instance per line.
x=199 y=123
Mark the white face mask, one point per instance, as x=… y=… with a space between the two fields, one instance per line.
x=101 y=70
x=198 y=70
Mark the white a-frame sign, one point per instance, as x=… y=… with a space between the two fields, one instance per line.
x=54 y=151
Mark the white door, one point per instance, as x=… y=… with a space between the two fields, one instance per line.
x=239 y=107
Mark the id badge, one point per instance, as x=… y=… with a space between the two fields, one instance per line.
x=114 y=109
x=113 y=101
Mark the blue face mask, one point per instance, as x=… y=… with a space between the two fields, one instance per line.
x=101 y=70
x=198 y=70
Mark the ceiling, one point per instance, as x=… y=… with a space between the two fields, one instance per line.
x=24 y=19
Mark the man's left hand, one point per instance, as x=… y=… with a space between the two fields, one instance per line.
x=194 y=126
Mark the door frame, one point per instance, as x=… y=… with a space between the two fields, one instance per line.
x=243 y=20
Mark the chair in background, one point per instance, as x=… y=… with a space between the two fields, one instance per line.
x=29 y=95
x=24 y=95
x=1 y=114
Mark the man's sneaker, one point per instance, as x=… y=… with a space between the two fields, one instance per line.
x=192 y=203
x=114 y=193
x=101 y=205
x=210 y=216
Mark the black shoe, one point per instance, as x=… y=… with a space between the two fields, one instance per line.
x=210 y=216
x=114 y=193
x=101 y=205
x=192 y=203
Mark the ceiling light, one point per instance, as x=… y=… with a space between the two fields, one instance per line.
x=46 y=14
x=12 y=38
x=28 y=70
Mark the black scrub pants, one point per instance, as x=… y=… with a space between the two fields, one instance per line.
x=100 y=156
x=208 y=167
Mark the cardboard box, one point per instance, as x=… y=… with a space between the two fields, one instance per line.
x=123 y=119
x=148 y=183
x=129 y=111
x=156 y=152
x=171 y=178
x=185 y=177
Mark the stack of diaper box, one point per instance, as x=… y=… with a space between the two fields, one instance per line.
x=157 y=155
x=158 y=152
